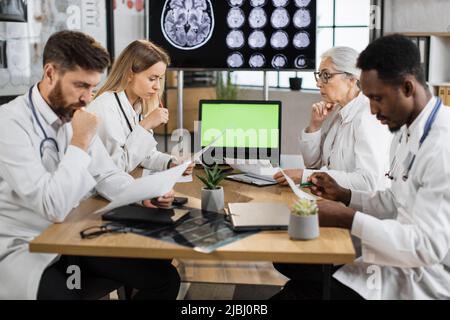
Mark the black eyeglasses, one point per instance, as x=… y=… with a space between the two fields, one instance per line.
x=325 y=76
x=95 y=231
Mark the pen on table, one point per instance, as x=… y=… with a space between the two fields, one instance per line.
x=307 y=184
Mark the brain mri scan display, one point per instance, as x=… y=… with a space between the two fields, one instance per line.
x=279 y=61
x=235 y=60
x=235 y=18
x=257 y=40
x=302 y=18
x=279 y=40
x=257 y=60
x=300 y=62
x=280 y=18
x=187 y=24
x=257 y=18
x=280 y=3
x=235 y=34
x=235 y=3
x=302 y=3
x=258 y=3
x=301 y=40
x=235 y=39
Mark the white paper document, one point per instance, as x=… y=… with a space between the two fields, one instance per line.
x=257 y=167
x=183 y=179
x=298 y=192
x=148 y=187
x=197 y=155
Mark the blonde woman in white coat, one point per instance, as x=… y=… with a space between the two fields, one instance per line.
x=343 y=138
x=129 y=107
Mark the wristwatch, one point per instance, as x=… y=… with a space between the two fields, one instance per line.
x=169 y=163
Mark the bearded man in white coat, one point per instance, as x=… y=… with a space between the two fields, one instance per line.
x=50 y=160
x=404 y=230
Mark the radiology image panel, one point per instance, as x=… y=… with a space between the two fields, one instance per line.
x=236 y=34
x=187 y=25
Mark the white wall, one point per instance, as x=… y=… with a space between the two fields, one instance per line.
x=417 y=16
x=439 y=60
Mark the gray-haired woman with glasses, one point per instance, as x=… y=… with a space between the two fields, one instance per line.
x=343 y=138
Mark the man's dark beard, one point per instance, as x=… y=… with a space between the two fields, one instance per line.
x=59 y=105
x=395 y=129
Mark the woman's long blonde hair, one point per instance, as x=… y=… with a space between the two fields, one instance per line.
x=137 y=57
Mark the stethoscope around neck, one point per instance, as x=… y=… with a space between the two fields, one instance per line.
x=47 y=139
x=123 y=112
x=426 y=130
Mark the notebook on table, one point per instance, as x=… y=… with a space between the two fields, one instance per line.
x=258 y=216
x=257 y=172
x=138 y=214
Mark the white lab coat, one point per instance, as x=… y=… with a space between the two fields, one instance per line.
x=352 y=147
x=35 y=192
x=127 y=149
x=405 y=230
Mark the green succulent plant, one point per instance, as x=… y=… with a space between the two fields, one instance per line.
x=305 y=207
x=213 y=177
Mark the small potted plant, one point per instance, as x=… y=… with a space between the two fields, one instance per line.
x=225 y=89
x=212 y=193
x=304 y=220
x=295 y=83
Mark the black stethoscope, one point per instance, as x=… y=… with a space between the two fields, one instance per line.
x=426 y=130
x=123 y=112
x=46 y=139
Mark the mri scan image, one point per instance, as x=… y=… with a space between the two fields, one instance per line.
x=235 y=60
x=257 y=18
x=301 y=40
x=257 y=40
x=300 y=62
x=302 y=18
x=280 y=3
x=235 y=3
x=235 y=18
x=259 y=37
x=187 y=24
x=280 y=18
x=258 y=3
x=257 y=60
x=302 y=3
x=235 y=39
x=279 y=61
x=279 y=40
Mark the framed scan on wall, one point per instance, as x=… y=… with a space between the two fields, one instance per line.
x=13 y=10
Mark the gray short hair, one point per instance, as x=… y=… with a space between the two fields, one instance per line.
x=344 y=58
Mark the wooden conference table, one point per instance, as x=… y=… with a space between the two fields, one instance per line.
x=334 y=246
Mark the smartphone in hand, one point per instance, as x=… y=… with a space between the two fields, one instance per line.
x=179 y=201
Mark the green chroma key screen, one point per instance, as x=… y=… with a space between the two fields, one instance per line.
x=246 y=124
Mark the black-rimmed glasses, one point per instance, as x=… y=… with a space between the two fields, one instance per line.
x=325 y=76
x=95 y=231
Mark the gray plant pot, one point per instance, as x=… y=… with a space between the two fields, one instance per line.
x=303 y=227
x=213 y=200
